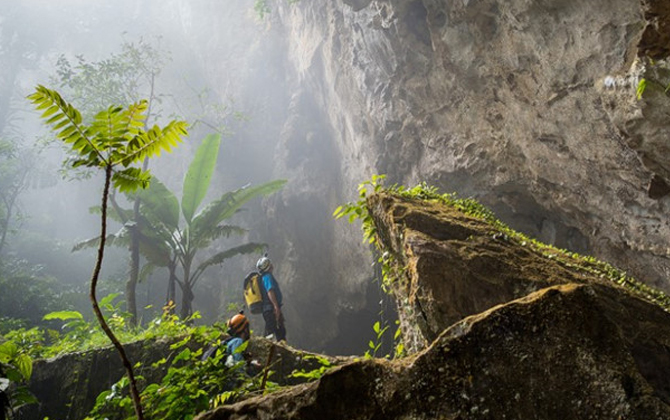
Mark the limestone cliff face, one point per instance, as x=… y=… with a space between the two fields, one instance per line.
x=528 y=106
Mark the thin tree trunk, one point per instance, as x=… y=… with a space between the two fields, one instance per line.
x=134 y=393
x=131 y=283
x=10 y=202
x=172 y=285
x=186 y=290
x=186 y=301
x=5 y=223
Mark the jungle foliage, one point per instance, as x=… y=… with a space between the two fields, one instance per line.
x=190 y=383
x=113 y=142
x=167 y=242
x=27 y=294
x=16 y=368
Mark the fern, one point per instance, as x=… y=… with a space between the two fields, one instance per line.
x=114 y=138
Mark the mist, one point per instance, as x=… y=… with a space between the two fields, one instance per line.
x=223 y=69
x=52 y=212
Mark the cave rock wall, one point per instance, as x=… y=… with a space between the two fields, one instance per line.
x=528 y=106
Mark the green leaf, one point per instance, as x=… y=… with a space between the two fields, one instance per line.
x=63 y=315
x=242 y=347
x=160 y=204
x=25 y=365
x=641 y=86
x=219 y=258
x=8 y=351
x=130 y=179
x=107 y=300
x=199 y=175
x=157 y=252
x=184 y=355
x=229 y=203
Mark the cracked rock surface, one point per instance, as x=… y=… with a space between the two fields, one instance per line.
x=540 y=339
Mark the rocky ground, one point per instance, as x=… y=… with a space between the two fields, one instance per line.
x=510 y=332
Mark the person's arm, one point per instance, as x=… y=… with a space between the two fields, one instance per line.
x=268 y=282
x=273 y=299
x=232 y=346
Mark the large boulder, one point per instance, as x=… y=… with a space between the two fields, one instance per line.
x=508 y=328
x=451 y=265
x=66 y=386
x=564 y=352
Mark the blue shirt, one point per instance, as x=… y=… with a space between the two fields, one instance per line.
x=231 y=346
x=270 y=283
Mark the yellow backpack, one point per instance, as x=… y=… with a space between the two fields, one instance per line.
x=252 y=292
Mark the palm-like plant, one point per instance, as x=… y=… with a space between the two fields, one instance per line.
x=173 y=233
x=113 y=142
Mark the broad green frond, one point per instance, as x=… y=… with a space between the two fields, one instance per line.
x=204 y=238
x=199 y=175
x=229 y=203
x=219 y=258
x=154 y=230
x=160 y=205
x=157 y=252
x=225 y=231
x=111 y=239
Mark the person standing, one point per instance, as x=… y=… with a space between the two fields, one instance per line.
x=274 y=319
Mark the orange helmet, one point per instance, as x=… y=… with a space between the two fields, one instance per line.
x=237 y=324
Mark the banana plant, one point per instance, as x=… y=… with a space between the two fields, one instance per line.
x=200 y=228
x=173 y=233
x=113 y=142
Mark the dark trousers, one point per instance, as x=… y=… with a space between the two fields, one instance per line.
x=274 y=327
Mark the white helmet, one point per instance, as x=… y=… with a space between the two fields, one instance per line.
x=263 y=264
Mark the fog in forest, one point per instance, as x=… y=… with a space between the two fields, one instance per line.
x=79 y=48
